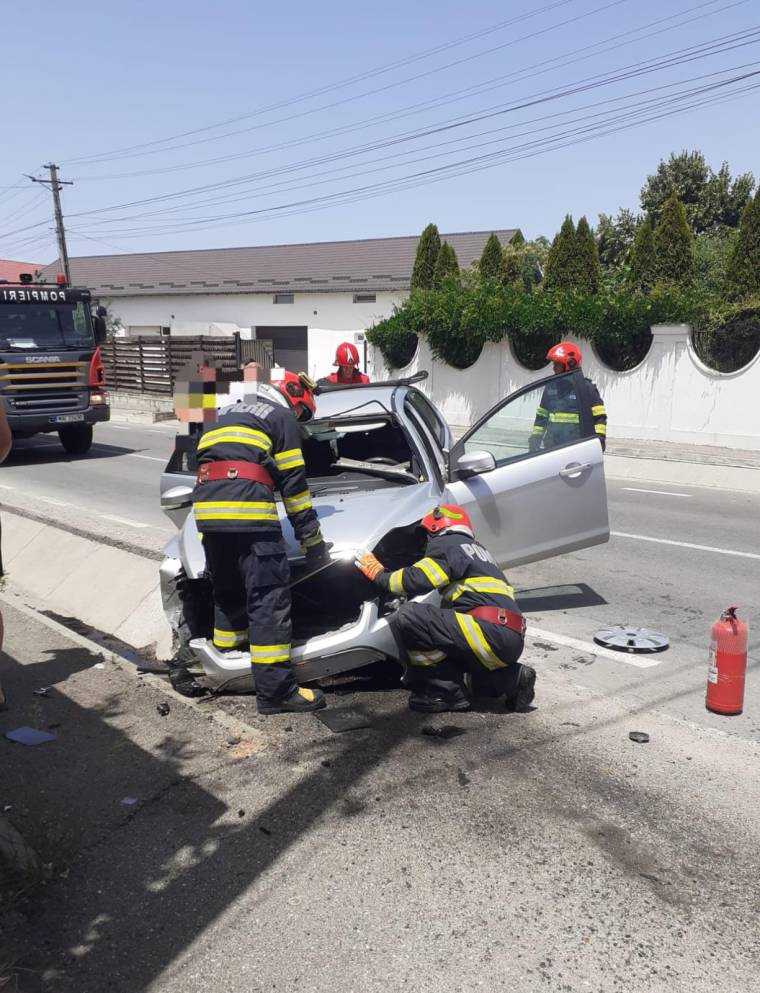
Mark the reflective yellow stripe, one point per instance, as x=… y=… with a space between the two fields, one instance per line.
x=433 y=571
x=234 y=435
x=235 y=510
x=229 y=639
x=541 y=412
x=396 y=581
x=292 y=459
x=295 y=504
x=538 y=429
x=564 y=418
x=489 y=584
x=311 y=540
x=477 y=642
x=269 y=654
x=600 y=428
x=598 y=410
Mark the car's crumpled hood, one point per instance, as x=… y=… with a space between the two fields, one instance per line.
x=354 y=520
x=350 y=520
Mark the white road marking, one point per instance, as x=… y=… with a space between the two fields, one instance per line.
x=149 y=458
x=589 y=648
x=636 y=489
x=56 y=503
x=120 y=427
x=687 y=544
x=123 y=520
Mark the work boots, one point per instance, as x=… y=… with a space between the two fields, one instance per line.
x=427 y=699
x=523 y=696
x=301 y=701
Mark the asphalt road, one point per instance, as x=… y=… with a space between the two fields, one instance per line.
x=530 y=852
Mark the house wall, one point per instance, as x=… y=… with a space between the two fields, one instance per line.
x=671 y=396
x=329 y=317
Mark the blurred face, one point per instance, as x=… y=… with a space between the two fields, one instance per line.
x=347 y=370
x=558 y=368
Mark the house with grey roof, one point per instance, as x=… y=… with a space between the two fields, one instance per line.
x=305 y=299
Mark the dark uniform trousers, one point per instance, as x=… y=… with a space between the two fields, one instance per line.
x=251 y=579
x=238 y=518
x=443 y=643
x=427 y=632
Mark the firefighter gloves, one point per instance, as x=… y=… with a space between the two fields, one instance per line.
x=369 y=565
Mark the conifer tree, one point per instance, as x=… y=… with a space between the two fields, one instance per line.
x=562 y=263
x=642 y=259
x=446 y=266
x=744 y=264
x=428 y=248
x=589 y=270
x=674 y=243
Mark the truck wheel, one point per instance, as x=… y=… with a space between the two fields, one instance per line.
x=77 y=438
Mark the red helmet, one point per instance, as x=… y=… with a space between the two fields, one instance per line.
x=297 y=389
x=448 y=517
x=346 y=354
x=566 y=354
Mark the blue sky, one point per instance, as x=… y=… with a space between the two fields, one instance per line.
x=86 y=80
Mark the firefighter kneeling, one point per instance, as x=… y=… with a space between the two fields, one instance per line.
x=478 y=629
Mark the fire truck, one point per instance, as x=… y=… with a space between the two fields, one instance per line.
x=51 y=371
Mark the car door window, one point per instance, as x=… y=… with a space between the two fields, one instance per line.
x=539 y=419
x=429 y=415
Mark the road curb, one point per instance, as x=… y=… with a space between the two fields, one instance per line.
x=235 y=726
x=740 y=479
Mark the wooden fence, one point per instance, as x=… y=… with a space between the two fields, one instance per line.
x=151 y=365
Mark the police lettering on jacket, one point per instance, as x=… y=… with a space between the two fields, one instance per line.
x=266 y=433
x=460 y=568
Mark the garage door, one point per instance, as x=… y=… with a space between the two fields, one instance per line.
x=289 y=344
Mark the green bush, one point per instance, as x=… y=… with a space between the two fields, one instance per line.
x=744 y=265
x=587 y=259
x=642 y=259
x=673 y=243
x=562 y=262
x=446 y=265
x=728 y=336
x=490 y=261
x=428 y=248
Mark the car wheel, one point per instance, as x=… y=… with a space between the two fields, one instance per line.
x=76 y=439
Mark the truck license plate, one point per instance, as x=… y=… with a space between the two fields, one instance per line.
x=66 y=418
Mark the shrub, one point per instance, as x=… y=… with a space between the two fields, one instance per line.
x=673 y=243
x=446 y=265
x=643 y=261
x=511 y=269
x=587 y=259
x=562 y=263
x=428 y=248
x=744 y=265
x=490 y=261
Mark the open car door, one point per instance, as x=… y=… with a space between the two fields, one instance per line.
x=531 y=473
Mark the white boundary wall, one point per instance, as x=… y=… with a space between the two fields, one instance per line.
x=671 y=396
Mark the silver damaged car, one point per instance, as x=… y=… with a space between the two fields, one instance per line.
x=378 y=458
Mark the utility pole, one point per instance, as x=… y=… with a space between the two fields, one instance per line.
x=56 y=185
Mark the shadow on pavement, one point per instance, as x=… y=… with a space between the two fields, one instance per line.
x=31 y=451
x=134 y=899
x=566 y=597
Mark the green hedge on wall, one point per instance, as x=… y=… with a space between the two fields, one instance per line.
x=458 y=320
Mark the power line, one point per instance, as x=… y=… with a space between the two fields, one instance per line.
x=668 y=60
x=555 y=62
x=409 y=79
x=426 y=177
x=359 y=77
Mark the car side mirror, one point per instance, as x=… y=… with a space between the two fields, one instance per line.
x=177 y=498
x=475 y=464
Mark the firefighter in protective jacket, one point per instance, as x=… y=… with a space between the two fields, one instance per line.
x=477 y=629
x=348 y=372
x=558 y=419
x=252 y=448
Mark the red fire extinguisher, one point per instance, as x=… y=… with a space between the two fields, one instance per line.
x=728 y=664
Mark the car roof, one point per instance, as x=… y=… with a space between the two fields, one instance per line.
x=337 y=403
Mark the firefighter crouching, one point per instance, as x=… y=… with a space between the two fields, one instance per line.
x=478 y=629
x=558 y=420
x=253 y=447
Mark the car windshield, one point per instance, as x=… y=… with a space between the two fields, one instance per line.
x=371 y=451
x=45 y=327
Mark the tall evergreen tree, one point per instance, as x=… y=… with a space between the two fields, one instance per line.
x=517 y=240
x=562 y=263
x=446 y=266
x=642 y=259
x=674 y=243
x=428 y=248
x=744 y=265
x=589 y=270
x=511 y=272
x=490 y=261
